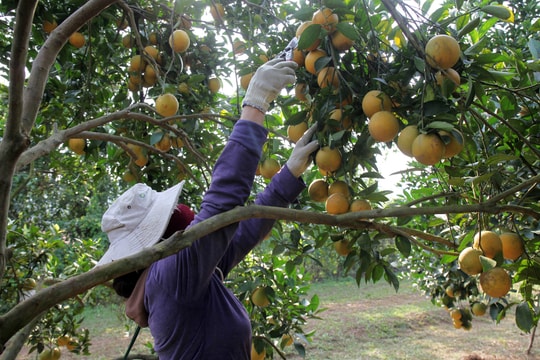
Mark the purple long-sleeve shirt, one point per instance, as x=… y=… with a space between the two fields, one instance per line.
x=192 y=315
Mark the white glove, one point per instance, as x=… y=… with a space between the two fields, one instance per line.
x=268 y=81
x=301 y=155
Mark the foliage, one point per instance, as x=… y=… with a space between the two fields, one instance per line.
x=54 y=198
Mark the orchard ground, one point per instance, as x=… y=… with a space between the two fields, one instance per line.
x=367 y=322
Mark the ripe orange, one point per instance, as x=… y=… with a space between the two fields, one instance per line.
x=299 y=32
x=167 y=105
x=218 y=12
x=269 y=168
x=77 y=145
x=257 y=355
x=137 y=64
x=150 y=76
x=177 y=142
x=153 y=38
x=339 y=186
x=179 y=41
x=165 y=144
x=245 y=80
x=337 y=204
x=299 y=57
x=50 y=354
x=49 y=26
x=383 y=126
x=442 y=52
x=183 y=88
x=152 y=51
x=453 y=143
x=311 y=59
x=62 y=340
x=428 y=149
x=318 y=190
x=300 y=91
x=259 y=297
x=286 y=340
x=295 y=132
x=128 y=41
x=326 y=18
x=77 y=39
x=345 y=121
x=342 y=247
x=449 y=74
x=469 y=261
x=456 y=314
x=512 y=245
x=214 y=85
x=128 y=177
x=496 y=282
x=328 y=160
x=406 y=138
x=141 y=159
x=340 y=42
x=489 y=242
x=328 y=76
x=374 y=101
x=360 y=205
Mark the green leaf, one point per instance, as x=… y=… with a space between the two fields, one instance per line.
x=524 y=317
x=404 y=245
x=487 y=263
x=498 y=158
x=534 y=48
x=432 y=108
x=502 y=12
x=440 y=125
x=309 y=36
x=348 y=30
x=471 y=25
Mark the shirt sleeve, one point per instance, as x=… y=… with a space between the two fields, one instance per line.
x=283 y=189
x=189 y=271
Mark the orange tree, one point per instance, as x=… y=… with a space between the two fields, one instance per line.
x=448 y=73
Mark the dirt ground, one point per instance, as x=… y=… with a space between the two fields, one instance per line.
x=344 y=331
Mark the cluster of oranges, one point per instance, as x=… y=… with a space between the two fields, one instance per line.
x=336 y=197
x=495 y=281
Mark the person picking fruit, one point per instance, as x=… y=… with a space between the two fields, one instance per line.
x=182 y=298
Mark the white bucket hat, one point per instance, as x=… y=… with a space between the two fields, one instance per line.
x=137 y=220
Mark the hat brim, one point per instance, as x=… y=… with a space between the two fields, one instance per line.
x=149 y=230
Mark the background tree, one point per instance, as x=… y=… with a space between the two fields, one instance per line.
x=87 y=116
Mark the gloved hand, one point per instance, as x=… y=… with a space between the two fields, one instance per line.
x=268 y=81
x=301 y=155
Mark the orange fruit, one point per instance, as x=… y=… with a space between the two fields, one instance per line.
x=340 y=42
x=342 y=247
x=295 y=132
x=328 y=76
x=318 y=190
x=326 y=18
x=259 y=297
x=137 y=64
x=345 y=121
x=128 y=177
x=140 y=157
x=512 y=245
x=496 y=282
x=179 y=41
x=77 y=39
x=339 y=186
x=478 y=308
x=269 y=168
x=299 y=57
x=456 y=314
x=469 y=261
x=337 y=204
x=328 y=160
x=150 y=76
x=299 y=32
x=152 y=51
x=489 y=242
x=300 y=91
x=217 y=11
x=245 y=80
x=77 y=145
x=165 y=144
x=177 y=142
x=239 y=47
x=442 y=52
x=50 y=354
x=428 y=149
x=153 y=38
x=406 y=138
x=257 y=355
x=453 y=143
x=49 y=26
x=449 y=74
x=62 y=340
x=374 y=101
x=128 y=41
x=214 y=85
x=383 y=126
x=359 y=205
x=311 y=58
x=167 y=105
x=286 y=340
